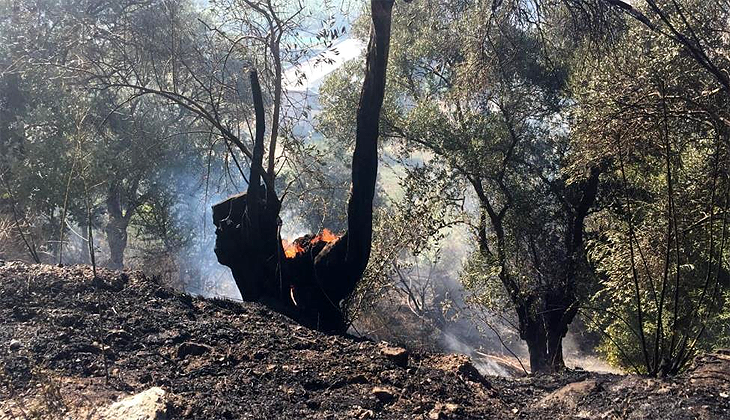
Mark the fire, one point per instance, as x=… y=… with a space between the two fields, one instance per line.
x=326 y=236
x=292 y=249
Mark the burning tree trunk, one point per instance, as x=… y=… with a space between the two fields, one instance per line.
x=309 y=278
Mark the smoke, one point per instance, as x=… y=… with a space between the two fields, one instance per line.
x=177 y=243
x=293 y=225
x=485 y=363
x=460 y=326
x=576 y=357
x=209 y=278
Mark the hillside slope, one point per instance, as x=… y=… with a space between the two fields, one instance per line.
x=62 y=332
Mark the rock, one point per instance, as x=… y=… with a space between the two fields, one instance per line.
x=14 y=344
x=383 y=394
x=397 y=355
x=443 y=411
x=458 y=363
x=192 y=349
x=147 y=405
x=366 y=414
x=570 y=395
x=471 y=373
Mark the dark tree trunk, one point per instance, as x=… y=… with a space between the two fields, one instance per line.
x=560 y=309
x=365 y=157
x=532 y=330
x=116 y=235
x=544 y=315
x=555 y=349
x=561 y=304
x=116 y=228
x=309 y=286
x=247 y=237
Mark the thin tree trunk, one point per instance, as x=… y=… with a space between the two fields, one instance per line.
x=277 y=105
x=116 y=228
x=253 y=205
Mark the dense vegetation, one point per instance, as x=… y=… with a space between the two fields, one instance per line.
x=579 y=149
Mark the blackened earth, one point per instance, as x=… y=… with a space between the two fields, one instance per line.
x=71 y=344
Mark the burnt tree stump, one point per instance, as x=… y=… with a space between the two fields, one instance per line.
x=309 y=284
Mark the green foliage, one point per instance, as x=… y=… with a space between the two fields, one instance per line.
x=66 y=143
x=657 y=117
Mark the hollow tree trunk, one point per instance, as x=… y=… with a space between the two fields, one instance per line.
x=309 y=286
x=247 y=238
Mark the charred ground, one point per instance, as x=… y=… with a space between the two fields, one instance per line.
x=62 y=332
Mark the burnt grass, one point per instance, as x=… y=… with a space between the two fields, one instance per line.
x=71 y=343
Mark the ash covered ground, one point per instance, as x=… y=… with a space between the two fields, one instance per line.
x=71 y=345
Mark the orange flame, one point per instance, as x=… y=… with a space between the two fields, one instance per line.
x=292 y=249
x=326 y=236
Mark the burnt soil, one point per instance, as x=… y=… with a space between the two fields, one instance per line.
x=71 y=343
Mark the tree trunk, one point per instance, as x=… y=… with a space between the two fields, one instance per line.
x=253 y=218
x=537 y=349
x=531 y=316
x=555 y=350
x=365 y=156
x=116 y=235
x=532 y=330
x=310 y=285
x=116 y=228
x=247 y=237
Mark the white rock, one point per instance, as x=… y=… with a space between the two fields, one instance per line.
x=147 y=405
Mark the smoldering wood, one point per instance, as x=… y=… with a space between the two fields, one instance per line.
x=308 y=286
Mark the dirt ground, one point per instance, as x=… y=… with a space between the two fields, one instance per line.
x=72 y=344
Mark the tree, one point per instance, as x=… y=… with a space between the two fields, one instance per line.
x=484 y=110
x=77 y=134
x=687 y=25
x=312 y=283
x=660 y=122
